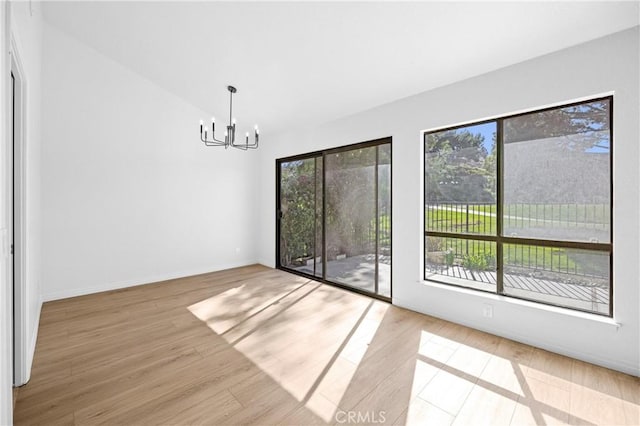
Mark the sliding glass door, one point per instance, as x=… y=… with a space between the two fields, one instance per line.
x=300 y=230
x=334 y=216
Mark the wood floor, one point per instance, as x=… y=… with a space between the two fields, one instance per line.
x=259 y=346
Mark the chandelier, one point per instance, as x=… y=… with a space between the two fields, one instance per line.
x=230 y=131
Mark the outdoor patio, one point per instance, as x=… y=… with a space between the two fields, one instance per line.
x=357 y=272
x=589 y=298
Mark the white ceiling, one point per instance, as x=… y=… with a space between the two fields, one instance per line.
x=305 y=63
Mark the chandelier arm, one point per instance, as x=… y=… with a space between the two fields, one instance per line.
x=246 y=145
x=209 y=143
x=214 y=142
x=239 y=146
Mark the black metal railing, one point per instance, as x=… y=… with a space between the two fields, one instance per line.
x=586 y=222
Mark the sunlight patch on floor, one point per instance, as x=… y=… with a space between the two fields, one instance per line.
x=259 y=324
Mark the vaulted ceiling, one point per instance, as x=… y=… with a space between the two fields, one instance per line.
x=305 y=63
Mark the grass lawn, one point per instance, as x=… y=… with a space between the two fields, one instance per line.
x=481 y=219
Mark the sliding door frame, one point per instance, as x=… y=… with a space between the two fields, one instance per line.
x=278 y=216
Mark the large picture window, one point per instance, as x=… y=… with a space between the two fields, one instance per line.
x=521 y=206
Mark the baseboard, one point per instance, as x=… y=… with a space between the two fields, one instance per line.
x=267 y=263
x=67 y=293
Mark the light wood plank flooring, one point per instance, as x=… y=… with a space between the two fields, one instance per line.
x=255 y=345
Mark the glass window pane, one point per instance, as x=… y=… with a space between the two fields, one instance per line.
x=557 y=174
x=350 y=217
x=466 y=263
x=318 y=222
x=298 y=186
x=460 y=180
x=384 y=214
x=566 y=277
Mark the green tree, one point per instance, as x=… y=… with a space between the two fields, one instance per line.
x=456 y=170
x=350 y=203
x=588 y=119
x=491 y=167
x=297 y=206
x=349 y=208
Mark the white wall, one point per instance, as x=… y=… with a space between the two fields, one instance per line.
x=26 y=30
x=6 y=380
x=599 y=67
x=130 y=194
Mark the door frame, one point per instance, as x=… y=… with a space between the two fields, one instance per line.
x=16 y=182
x=278 y=216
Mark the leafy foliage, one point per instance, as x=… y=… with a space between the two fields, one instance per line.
x=479 y=262
x=588 y=119
x=349 y=208
x=459 y=168
x=456 y=167
x=297 y=203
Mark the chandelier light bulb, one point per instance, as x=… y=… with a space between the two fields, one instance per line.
x=201 y=122
x=213 y=119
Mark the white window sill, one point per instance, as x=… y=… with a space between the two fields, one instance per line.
x=490 y=297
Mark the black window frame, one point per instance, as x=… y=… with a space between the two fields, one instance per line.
x=321 y=154
x=501 y=240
